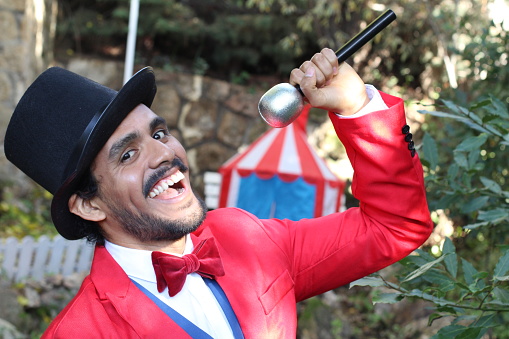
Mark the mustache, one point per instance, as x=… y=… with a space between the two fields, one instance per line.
x=161 y=173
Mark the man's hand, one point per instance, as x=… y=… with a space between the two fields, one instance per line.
x=330 y=86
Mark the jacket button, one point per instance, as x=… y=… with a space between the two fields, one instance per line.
x=405 y=129
x=412 y=152
x=411 y=145
x=408 y=137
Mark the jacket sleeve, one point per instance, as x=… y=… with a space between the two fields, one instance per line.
x=391 y=221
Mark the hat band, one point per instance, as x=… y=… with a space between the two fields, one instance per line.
x=77 y=154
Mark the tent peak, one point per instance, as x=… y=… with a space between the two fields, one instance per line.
x=302 y=120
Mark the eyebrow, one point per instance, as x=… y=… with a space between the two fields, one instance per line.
x=120 y=145
x=157 y=121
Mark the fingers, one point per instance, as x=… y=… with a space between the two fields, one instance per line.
x=325 y=64
x=328 y=85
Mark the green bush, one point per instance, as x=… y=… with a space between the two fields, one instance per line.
x=28 y=215
x=467 y=279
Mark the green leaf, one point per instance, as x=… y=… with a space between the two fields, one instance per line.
x=500 y=108
x=433 y=317
x=476 y=225
x=449 y=332
x=489 y=320
x=439 y=278
x=479 y=104
x=480 y=275
x=451 y=260
x=475 y=204
x=451 y=264
x=448 y=247
x=413 y=261
x=504 y=278
x=462 y=285
x=473 y=157
x=452 y=172
x=468 y=271
x=491 y=185
x=424 y=255
x=461 y=159
x=472 y=143
x=430 y=151
x=452 y=106
x=441 y=114
x=415 y=293
x=473 y=121
x=502 y=266
x=464 y=319
x=470 y=333
x=447 y=309
x=489 y=117
x=368 y=281
x=447 y=200
x=423 y=269
x=501 y=294
x=494 y=216
x=503 y=306
x=387 y=298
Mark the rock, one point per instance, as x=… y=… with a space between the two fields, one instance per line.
x=33 y=299
x=10 y=309
x=9 y=331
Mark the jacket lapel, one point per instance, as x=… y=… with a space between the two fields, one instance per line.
x=126 y=304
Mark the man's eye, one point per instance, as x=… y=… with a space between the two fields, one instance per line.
x=127 y=155
x=160 y=134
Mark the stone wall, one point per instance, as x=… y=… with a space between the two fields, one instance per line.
x=27 y=28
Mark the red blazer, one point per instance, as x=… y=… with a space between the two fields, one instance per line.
x=272 y=264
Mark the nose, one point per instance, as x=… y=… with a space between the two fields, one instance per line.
x=160 y=153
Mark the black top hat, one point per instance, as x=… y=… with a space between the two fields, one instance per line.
x=60 y=125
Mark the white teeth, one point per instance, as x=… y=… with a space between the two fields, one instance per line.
x=165 y=184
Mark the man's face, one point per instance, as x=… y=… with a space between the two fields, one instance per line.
x=144 y=187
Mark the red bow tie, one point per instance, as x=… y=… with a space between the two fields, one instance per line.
x=172 y=271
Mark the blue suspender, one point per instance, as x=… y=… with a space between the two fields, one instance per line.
x=227 y=308
x=191 y=329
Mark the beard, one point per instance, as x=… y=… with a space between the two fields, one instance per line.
x=148 y=228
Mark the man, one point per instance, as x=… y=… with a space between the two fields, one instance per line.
x=120 y=178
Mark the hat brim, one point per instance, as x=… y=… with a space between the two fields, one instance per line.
x=140 y=89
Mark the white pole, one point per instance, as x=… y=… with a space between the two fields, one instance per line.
x=131 y=39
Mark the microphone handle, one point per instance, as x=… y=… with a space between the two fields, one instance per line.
x=368 y=33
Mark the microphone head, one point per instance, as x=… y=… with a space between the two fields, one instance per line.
x=281 y=105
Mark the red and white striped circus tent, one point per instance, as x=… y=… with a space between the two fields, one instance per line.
x=280 y=176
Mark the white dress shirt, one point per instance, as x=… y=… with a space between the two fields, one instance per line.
x=195 y=301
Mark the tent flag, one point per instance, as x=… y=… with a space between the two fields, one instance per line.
x=280 y=176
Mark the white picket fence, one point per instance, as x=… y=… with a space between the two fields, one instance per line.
x=34 y=259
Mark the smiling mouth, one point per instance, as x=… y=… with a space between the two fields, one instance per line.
x=171 y=186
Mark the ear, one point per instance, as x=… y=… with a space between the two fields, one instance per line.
x=86 y=208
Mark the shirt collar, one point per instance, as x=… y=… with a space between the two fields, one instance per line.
x=138 y=263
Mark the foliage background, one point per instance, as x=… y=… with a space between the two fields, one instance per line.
x=448 y=59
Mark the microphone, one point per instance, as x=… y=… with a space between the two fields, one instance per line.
x=283 y=103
